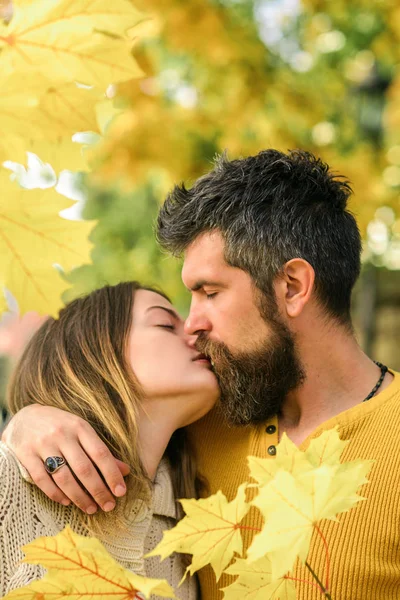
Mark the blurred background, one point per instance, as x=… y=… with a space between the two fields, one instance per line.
x=244 y=75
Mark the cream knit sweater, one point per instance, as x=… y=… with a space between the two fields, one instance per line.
x=26 y=514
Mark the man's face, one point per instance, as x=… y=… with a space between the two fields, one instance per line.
x=223 y=297
x=253 y=351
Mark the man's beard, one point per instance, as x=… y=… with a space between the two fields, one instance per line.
x=255 y=384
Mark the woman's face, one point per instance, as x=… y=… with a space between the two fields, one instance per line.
x=176 y=380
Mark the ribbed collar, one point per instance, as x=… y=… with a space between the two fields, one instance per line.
x=164 y=501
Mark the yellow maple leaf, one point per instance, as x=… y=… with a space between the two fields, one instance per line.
x=32 y=111
x=33 y=239
x=80 y=567
x=19 y=98
x=326 y=448
x=68 y=46
x=106 y=112
x=210 y=531
x=255 y=582
x=65 y=155
x=293 y=505
x=288 y=458
x=67 y=109
x=118 y=17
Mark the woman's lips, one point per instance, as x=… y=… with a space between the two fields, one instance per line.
x=202 y=358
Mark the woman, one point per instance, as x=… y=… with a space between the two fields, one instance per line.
x=120 y=359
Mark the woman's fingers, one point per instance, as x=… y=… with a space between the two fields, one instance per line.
x=59 y=433
x=35 y=467
x=82 y=471
x=123 y=467
x=67 y=483
x=110 y=468
x=64 y=480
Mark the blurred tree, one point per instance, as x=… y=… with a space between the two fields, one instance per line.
x=124 y=244
x=246 y=75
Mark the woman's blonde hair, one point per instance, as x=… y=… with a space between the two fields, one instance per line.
x=78 y=363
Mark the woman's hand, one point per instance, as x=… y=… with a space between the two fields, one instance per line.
x=37 y=432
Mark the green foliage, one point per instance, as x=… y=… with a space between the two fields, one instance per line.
x=124 y=245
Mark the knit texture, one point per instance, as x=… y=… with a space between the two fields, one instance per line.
x=26 y=514
x=364 y=545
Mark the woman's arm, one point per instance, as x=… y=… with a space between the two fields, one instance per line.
x=16 y=526
x=37 y=432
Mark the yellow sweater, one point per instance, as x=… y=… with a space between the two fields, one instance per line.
x=365 y=544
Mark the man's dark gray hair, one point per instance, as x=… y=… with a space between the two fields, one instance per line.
x=271 y=208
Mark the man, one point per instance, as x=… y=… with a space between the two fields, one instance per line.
x=271 y=255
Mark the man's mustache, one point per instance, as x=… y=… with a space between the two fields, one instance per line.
x=210 y=348
x=202 y=343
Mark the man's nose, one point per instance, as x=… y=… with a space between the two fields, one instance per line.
x=196 y=323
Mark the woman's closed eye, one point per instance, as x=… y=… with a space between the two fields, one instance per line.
x=166 y=326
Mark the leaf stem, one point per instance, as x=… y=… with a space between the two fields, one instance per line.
x=328 y=560
x=317 y=579
x=302 y=581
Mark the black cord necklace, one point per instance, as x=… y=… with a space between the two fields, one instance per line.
x=384 y=370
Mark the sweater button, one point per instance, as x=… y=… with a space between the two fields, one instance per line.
x=271 y=450
x=271 y=429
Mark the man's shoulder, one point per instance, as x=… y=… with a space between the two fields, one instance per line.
x=396 y=381
x=389 y=399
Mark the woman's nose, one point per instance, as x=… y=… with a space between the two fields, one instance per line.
x=191 y=340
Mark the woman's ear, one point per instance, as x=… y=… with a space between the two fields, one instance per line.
x=294 y=286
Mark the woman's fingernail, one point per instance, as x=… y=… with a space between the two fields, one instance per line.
x=120 y=490
x=91 y=509
x=108 y=506
x=66 y=502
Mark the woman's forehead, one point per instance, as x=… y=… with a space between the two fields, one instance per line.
x=145 y=300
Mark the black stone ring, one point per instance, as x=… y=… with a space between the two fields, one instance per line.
x=53 y=463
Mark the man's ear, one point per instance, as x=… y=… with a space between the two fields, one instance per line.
x=294 y=286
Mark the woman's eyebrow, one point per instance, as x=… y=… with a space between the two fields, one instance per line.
x=168 y=310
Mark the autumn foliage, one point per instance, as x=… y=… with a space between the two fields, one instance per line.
x=295 y=492
x=57 y=58
x=80 y=567
x=189 y=80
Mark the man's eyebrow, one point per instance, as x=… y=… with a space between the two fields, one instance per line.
x=203 y=283
x=168 y=310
